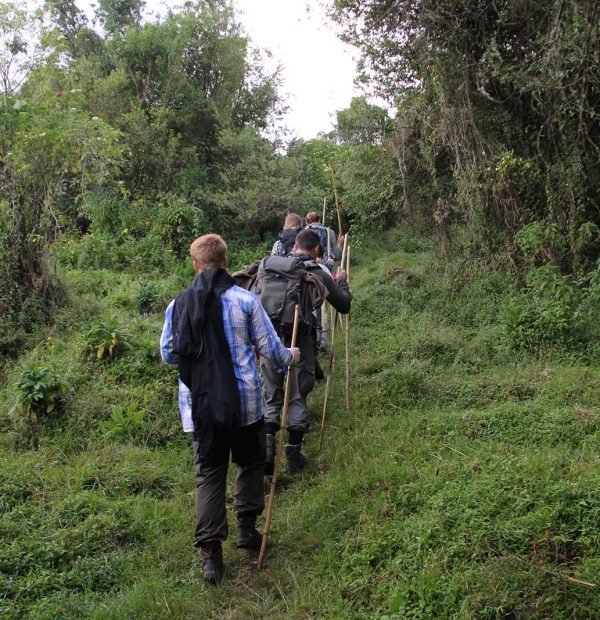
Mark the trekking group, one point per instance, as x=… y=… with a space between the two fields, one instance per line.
x=230 y=337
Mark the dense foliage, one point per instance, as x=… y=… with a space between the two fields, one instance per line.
x=498 y=117
x=125 y=138
x=461 y=484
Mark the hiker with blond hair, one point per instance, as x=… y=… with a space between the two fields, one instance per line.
x=285 y=242
x=211 y=332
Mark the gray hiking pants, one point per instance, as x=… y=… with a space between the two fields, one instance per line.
x=211 y=460
x=302 y=382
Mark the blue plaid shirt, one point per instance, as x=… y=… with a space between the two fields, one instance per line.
x=246 y=325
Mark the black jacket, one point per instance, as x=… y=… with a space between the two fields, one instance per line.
x=205 y=364
x=338 y=293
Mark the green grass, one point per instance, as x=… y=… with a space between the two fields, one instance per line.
x=462 y=484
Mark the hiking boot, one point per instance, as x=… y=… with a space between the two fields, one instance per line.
x=248 y=537
x=294 y=458
x=212 y=565
x=270 y=458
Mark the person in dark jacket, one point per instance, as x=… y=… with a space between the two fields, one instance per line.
x=211 y=332
x=287 y=237
x=303 y=375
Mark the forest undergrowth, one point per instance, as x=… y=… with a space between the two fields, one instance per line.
x=461 y=484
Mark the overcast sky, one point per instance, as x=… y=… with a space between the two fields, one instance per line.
x=318 y=69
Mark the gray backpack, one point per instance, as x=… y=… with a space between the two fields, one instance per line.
x=281 y=283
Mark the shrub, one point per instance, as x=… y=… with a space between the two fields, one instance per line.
x=241 y=254
x=149 y=253
x=411 y=245
x=100 y=251
x=546 y=312
x=124 y=422
x=178 y=223
x=147 y=297
x=41 y=393
x=105 y=340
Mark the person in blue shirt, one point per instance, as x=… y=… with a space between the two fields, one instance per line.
x=213 y=332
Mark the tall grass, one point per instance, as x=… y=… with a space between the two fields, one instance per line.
x=462 y=484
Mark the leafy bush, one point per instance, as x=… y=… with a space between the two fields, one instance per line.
x=105 y=340
x=240 y=254
x=547 y=312
x=411 y=245
x=41 y=391
x=124 y=422
x=178 y=223
x=149 y=253
x=541 y=242
x=147 y=297
x=102 y=251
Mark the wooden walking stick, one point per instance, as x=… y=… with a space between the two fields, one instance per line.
x=337 y=202
x=347 y=335
x=335 y=316
x=333 y=321
x=328 y=383
x=332 y=358
x=344 y=251
x=284 y=418
x=324 y=209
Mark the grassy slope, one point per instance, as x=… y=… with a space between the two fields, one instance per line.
x=459 y=479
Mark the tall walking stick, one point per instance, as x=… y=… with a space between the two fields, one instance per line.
x=335 y=316
x=328 y=383
x=347 y=336
x=332 y=358
x=337 y=202
x=284 y=418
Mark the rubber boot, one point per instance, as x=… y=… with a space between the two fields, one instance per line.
x=294 y=458
x=248 y=537
x=270 y=460
x=212 y=565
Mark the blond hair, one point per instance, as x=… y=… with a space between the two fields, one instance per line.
x=312 y=217
x=209 y=251
x=292 y=220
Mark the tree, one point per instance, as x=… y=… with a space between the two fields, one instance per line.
x=50 y=149
x=18 y=32
x=509 y=126
x=363 y=123
x=81 y=40
x=118 y=15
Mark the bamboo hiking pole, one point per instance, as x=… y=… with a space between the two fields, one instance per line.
x=328 y=383
x=279 y=450
x=331 y=358
x=336 y=315
x=337 y=202
x=347 y=339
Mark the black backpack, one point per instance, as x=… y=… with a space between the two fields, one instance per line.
x=323 y=235
x=281 y=283
x=287 y=237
